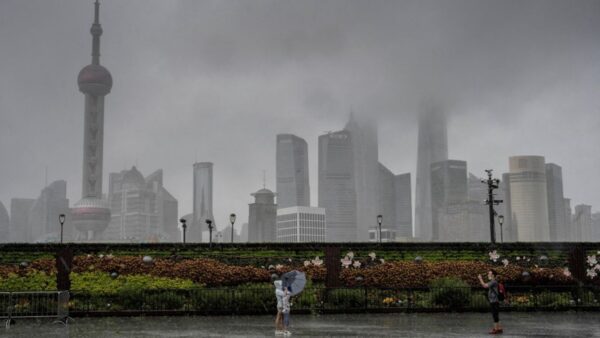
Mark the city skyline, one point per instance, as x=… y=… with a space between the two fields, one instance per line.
x=155 y=126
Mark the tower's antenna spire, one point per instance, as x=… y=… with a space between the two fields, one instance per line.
x=96 y=31
x=264 y=179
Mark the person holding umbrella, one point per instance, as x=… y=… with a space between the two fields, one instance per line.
x=293 y=284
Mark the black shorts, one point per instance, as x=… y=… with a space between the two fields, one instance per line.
x=495 y=311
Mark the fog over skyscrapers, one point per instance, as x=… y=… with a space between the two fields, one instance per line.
x=432 y=147
x=292 y=171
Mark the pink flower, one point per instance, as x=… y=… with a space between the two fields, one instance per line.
x=591 y=273
x=566 y=272
x=356 y=264
x=372 y=255
x=505 y=262
x=306 y=263
x=317 y=261
x=346 y=262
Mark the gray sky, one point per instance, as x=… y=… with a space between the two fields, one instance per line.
x=217 y=80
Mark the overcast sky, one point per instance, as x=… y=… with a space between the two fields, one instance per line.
x=217 y=80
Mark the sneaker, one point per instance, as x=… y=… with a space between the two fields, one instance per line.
x=499 y=330
x=493 y=331
x=278 y=332
x=287 y=333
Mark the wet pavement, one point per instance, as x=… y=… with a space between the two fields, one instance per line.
x=532 y=324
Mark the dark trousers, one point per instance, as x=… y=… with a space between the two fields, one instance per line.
x=495 y=311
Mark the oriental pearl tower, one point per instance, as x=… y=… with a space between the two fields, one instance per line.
x=91 y=214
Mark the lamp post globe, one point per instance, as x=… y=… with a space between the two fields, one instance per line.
x=184 y=227
x=379 y=221
x=210 y=229
x=232 y=221
x=61 y=219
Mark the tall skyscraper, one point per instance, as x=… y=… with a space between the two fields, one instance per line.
x=508 y=231
x=337 y=191
x=569 y=233
x=262 y=217
x=556 y=203
x=142 y=210
x=365 y=150
x=43 y=215
x=448 y=188
x=91 y=214
x=596 y=227
x=301 y=224
x=292 y=171
x=403 y=196
x=582 y=223
x=432 y=147
x=4 y=225
x=528 y=198
x=19 y=220
x=387 y=205
x=203 y=200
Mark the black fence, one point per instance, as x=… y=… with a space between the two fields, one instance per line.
x=239 y=300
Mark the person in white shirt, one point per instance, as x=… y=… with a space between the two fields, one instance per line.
x=279 y=295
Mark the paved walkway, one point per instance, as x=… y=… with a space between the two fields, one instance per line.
x=537 y=324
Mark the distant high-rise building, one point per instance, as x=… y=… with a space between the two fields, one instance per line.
x=142 y=210
x=292 y=171
x=301 y=224
x=403 y=196
x=91 y=214
x=262 y=217
x=4 y=224
x=529 y=198
x=337 y=191
x=570 y=232
x=43 y=215
x=556 y=203
x=448 y=188
x=463 y=222
x=508 y=231
x=203 y=199
x=365 y=150
x=582 y=223
x=244 y=233
x=20 y=230
x=596 y=227
x=432 y=147
x=387 y=205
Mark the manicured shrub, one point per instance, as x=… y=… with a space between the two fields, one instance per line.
x=450 y=292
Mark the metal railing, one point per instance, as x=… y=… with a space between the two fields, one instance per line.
x=42 y=304
x=240 y=300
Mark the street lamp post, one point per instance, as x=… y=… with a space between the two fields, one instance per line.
x=492 y=184
x=501 y=221
x=232 y=220
x=210 y=229
x=379 y=221
x=61 y=219
x=184 y=227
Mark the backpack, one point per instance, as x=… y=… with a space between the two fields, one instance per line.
x=501 y=292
